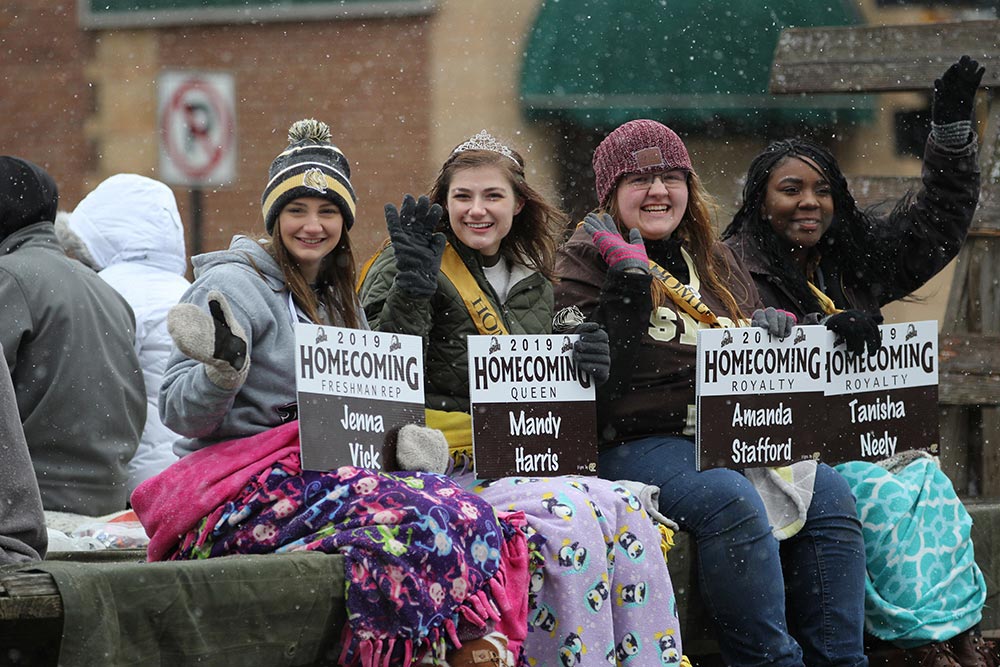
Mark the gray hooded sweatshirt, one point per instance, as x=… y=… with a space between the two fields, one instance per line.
x=193 y=405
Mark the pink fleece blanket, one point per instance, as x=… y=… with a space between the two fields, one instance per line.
x=212 y=476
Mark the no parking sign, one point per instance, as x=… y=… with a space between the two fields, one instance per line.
x=197 y=118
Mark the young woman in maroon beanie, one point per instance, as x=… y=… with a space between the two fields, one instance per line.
x=646 y=265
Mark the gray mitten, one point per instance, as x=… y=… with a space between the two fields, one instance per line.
x=421 y=449
x=778 y=322
x=417 y=246
x=215 y=339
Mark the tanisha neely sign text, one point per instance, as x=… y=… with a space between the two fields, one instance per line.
x=768 y=402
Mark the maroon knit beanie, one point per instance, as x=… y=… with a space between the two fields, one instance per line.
x=637 y=147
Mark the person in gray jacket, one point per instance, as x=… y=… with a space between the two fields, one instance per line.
x=129 y=230
x=22 y=524
x=68 y=339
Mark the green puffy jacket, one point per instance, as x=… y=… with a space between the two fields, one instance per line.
x=443 y=320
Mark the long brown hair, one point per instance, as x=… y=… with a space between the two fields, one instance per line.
x=696 y=232
x=534 y=233
x=334 y=283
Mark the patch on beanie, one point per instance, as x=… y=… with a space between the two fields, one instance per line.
x=315 y=179
x=648 y=157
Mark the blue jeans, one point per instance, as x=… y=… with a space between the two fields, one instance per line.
x=793 y=603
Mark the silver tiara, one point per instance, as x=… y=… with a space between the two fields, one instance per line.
x=484 y=141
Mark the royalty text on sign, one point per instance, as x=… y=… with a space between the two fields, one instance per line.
x=767 y=402
x=356 y=390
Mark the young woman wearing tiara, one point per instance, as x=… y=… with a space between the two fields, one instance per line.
x=600 y=591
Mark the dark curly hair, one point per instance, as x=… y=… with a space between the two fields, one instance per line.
x=850 y=242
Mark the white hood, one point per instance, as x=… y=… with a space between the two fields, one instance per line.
x=131 y=218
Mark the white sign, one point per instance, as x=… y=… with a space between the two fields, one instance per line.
x=907 y=358
x=197 y=119
x=532 y=409
x=506 y=369
x=356 y=389
x=748 y=360
x=768 y=402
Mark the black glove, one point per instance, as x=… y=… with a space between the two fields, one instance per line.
x=857 y=329
x=592 y=352
x=778 y=323
x=228 y=346
x=955 y=92
x=218 y=341
x=418 y=247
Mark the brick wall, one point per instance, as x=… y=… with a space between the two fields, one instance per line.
x=366 y=79
x=45 y=99
x=82 y=103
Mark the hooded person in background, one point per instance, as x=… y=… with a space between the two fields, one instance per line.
x=129 y=231
x=22 y=522
x=68 y=340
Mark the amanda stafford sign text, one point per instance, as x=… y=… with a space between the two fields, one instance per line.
x=532 y=408
x=767 y=402
x=356 y=390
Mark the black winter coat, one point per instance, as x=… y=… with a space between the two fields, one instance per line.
x=919 y=240
x=444 y=322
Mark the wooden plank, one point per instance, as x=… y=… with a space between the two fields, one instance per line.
x=37 y=607
x=875 y=190
x=24 y=584
x=954 y=457
x=971 y=354
x=880 y=58
x=990 y=452
x=969 y=371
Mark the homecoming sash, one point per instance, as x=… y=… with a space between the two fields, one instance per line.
x=367 y=266
x=487 y=321
x=454 y=269
x=684 y=296
x=825 y=302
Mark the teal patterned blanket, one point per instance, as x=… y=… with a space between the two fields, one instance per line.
x=923 y=583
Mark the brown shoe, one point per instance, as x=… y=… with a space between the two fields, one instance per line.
x=489 y=651
x=972 y=650
x=937 y=654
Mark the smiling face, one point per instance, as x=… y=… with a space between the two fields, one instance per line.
x=310 y=229
x=652 y=203
x=481 y=208
x=798 y=203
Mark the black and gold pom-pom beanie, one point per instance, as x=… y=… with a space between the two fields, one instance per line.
x=310 y=167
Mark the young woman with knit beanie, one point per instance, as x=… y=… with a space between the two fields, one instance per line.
x=646 y=265
x=812 y=251
x=425 y=561
x=600 y=590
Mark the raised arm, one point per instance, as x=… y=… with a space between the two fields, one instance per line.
x=925 y=233
x=617 y=297
x=397 y=290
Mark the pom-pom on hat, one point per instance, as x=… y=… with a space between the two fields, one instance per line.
x=637 y=147
x=310 y=167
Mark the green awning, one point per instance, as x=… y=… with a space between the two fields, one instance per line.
x=684 y=62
